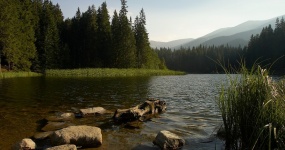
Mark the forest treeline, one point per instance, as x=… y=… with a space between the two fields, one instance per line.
x=35 y=36
x=266 y=49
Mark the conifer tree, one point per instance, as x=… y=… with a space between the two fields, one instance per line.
x=9 y=44
x=89 y=38
x=126 y=48
x=115 y=28
x=104 y=34
x=146 y=57
x=27 y=35
x=17 y=33
x=48 y=41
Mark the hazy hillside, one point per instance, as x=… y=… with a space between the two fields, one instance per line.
x=234 y=36
x=170 y=44
x=239 y=39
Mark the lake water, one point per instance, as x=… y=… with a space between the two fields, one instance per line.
x=191 y=113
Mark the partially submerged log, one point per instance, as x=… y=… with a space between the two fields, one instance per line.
x=140 y=112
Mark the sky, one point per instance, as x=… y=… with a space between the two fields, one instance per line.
x=168 y=20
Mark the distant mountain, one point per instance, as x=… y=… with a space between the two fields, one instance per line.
x=233 y=36
x=170 y=44
x=239 y=39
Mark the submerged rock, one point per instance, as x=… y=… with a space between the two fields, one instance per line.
x=25 y=144
x=168 y=141
x=52 y=126
x=63 y=147
x=85 y=136
x=42 y=135
x=140 y=112
x=61 y=117
x=92 y=111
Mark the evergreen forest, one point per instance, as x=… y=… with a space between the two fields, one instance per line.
x=266 y=49
x=35 y=36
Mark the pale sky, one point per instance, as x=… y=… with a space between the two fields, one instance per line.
x=178 y=19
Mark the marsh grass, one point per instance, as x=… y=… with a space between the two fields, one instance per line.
x=107 y=72
x=252 y=109
x=11 y=74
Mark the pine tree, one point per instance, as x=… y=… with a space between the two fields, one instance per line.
x=48 y=40
x=17 y=33
x=8 y=31
x=146 y=57
x=126 y=48
x=27 y=32
x=115 y=28
x=104 y=34
x=75 y=44
x=89 y=31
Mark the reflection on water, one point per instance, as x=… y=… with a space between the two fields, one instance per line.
x=191 y=109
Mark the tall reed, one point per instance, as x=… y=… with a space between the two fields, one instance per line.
x=252 y=109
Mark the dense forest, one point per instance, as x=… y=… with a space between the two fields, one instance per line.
x=35 y=36
x=266 y=49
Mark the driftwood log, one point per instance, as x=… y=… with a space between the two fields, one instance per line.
x=140 y=112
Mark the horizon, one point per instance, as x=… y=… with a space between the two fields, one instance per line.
x=166 y=20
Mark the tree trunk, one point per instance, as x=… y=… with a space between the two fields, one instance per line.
x=140 y=112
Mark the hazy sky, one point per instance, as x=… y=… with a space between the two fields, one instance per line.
x=177 y=19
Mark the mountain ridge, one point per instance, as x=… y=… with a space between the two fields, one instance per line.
x=238 y=35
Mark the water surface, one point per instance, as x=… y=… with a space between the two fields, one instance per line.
x=191 y=107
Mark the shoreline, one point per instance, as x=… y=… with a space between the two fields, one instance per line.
x=92 y=72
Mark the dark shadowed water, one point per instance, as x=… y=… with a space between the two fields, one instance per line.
x=191 y=107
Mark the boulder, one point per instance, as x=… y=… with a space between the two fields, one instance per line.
x=168 y=141
x=42 y=135
x=25 y=144
x=52 y=126
x=140 y=112
x=63 y=147
x=85 y=136
x=92 y=111
x=61 y=117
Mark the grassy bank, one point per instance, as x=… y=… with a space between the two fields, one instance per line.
x=12 y=74
x=252 y=109
x=106 y=72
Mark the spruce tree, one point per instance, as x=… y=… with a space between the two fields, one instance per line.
x=27 y=35
x=48 y=40
x=17 y=33
x=146 y=57
x=104 y=34
x=89 y=38
x=9 y=44
x=126 y=49
x=115 y=28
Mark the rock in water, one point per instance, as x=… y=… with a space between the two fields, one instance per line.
x=52 y=126
x=61 y=117
x=85 y=136
x=63 y=147
x=168 y=141
x=42 y=135
x=92 y=111
x=25 y=144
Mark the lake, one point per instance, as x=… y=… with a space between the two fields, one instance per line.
x=191 y=112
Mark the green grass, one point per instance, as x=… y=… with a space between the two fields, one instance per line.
x=12 y=74
x=252 y=109
x=107 y=72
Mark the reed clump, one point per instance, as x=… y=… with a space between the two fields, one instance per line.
x=252 y=109
x=109 y=72
x=12 y=74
